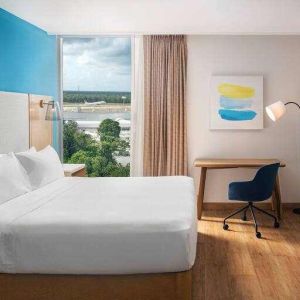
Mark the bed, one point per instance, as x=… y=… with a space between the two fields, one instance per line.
x=103 y=226
x=99 y=238
x=107 y=225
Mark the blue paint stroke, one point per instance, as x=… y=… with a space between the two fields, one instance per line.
x=230 y=103
x=237 y=115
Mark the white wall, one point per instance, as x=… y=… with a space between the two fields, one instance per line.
x=108 y=17
x=277 y=58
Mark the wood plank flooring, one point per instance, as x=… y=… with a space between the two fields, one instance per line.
x=234 y=264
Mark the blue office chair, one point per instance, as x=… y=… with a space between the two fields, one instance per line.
x=257 y=190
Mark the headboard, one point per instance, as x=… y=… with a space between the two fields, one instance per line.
x=22 y=122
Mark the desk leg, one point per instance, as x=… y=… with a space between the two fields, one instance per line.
x=278 y=198
x=201 y=191
x=274 y=200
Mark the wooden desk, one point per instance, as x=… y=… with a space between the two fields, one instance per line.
x=205 y=164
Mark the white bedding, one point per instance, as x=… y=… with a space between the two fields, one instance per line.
x=101 y=226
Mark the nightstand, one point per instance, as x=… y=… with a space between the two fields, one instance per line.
x=74 y=170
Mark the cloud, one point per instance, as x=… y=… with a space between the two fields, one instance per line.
x=71 y=41
x=102 y=63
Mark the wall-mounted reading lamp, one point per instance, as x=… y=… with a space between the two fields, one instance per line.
x=53 y=110
x=275 y=111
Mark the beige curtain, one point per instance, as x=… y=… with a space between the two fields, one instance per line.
x=165 y=63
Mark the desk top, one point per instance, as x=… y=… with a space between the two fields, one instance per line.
x=235 y=162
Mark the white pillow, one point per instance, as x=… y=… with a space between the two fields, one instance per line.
x=42 y=167
x=13 y=178
x=31 y=150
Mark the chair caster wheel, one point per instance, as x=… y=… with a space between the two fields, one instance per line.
x=276 y=224
x=258 y=235
x=225 y=227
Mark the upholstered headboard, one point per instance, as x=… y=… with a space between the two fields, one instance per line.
x=22 y=122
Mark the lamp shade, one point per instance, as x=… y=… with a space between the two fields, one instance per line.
x=276 y=110
x=53 y=111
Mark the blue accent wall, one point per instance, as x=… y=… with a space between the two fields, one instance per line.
x=28 y=59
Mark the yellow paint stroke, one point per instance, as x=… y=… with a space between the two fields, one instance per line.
x=235 y=91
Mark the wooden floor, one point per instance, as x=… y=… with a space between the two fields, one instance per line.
x=234 y=264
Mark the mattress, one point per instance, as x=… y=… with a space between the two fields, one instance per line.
x=101 y=226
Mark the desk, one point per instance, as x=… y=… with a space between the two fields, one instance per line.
x=205 y=164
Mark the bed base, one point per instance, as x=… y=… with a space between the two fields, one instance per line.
x=161 y=286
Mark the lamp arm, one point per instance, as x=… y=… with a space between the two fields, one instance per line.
x=295 y=210
x=292 y=102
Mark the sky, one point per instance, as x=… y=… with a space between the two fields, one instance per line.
x=97 y=64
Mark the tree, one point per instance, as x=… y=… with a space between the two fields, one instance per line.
x=69 y=139
x=109 y=130
x=75 y=140
x=120 y=171
x=98 y=157
x=83 y=157
x=122 y=148
x=79 y=97
x=86 y=142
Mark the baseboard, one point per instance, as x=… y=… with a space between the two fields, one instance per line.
x=236 y=205
x=290 y=205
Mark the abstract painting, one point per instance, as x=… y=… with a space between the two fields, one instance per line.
x=236 y=102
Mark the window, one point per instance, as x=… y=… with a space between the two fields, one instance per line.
x=96 y=104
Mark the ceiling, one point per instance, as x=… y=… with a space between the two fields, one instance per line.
x=93 y=17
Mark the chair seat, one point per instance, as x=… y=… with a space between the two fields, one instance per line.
x=247 y=191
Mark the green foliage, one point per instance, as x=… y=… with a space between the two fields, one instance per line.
x=108 y=97
x=122 y=148
x=120 y=171
x=100 y=166
x=70 y=145
x=109 y=130
x=82 y=157
x=99 y=157
x=104 y=168
x=75 y=140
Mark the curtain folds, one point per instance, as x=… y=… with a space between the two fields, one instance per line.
x=165 y=63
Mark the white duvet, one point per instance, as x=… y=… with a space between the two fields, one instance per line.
x=101 y=226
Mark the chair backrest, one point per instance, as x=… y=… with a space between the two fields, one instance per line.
x=265 y=179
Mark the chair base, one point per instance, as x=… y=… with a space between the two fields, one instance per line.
x=244 y=217
x=296 y=210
